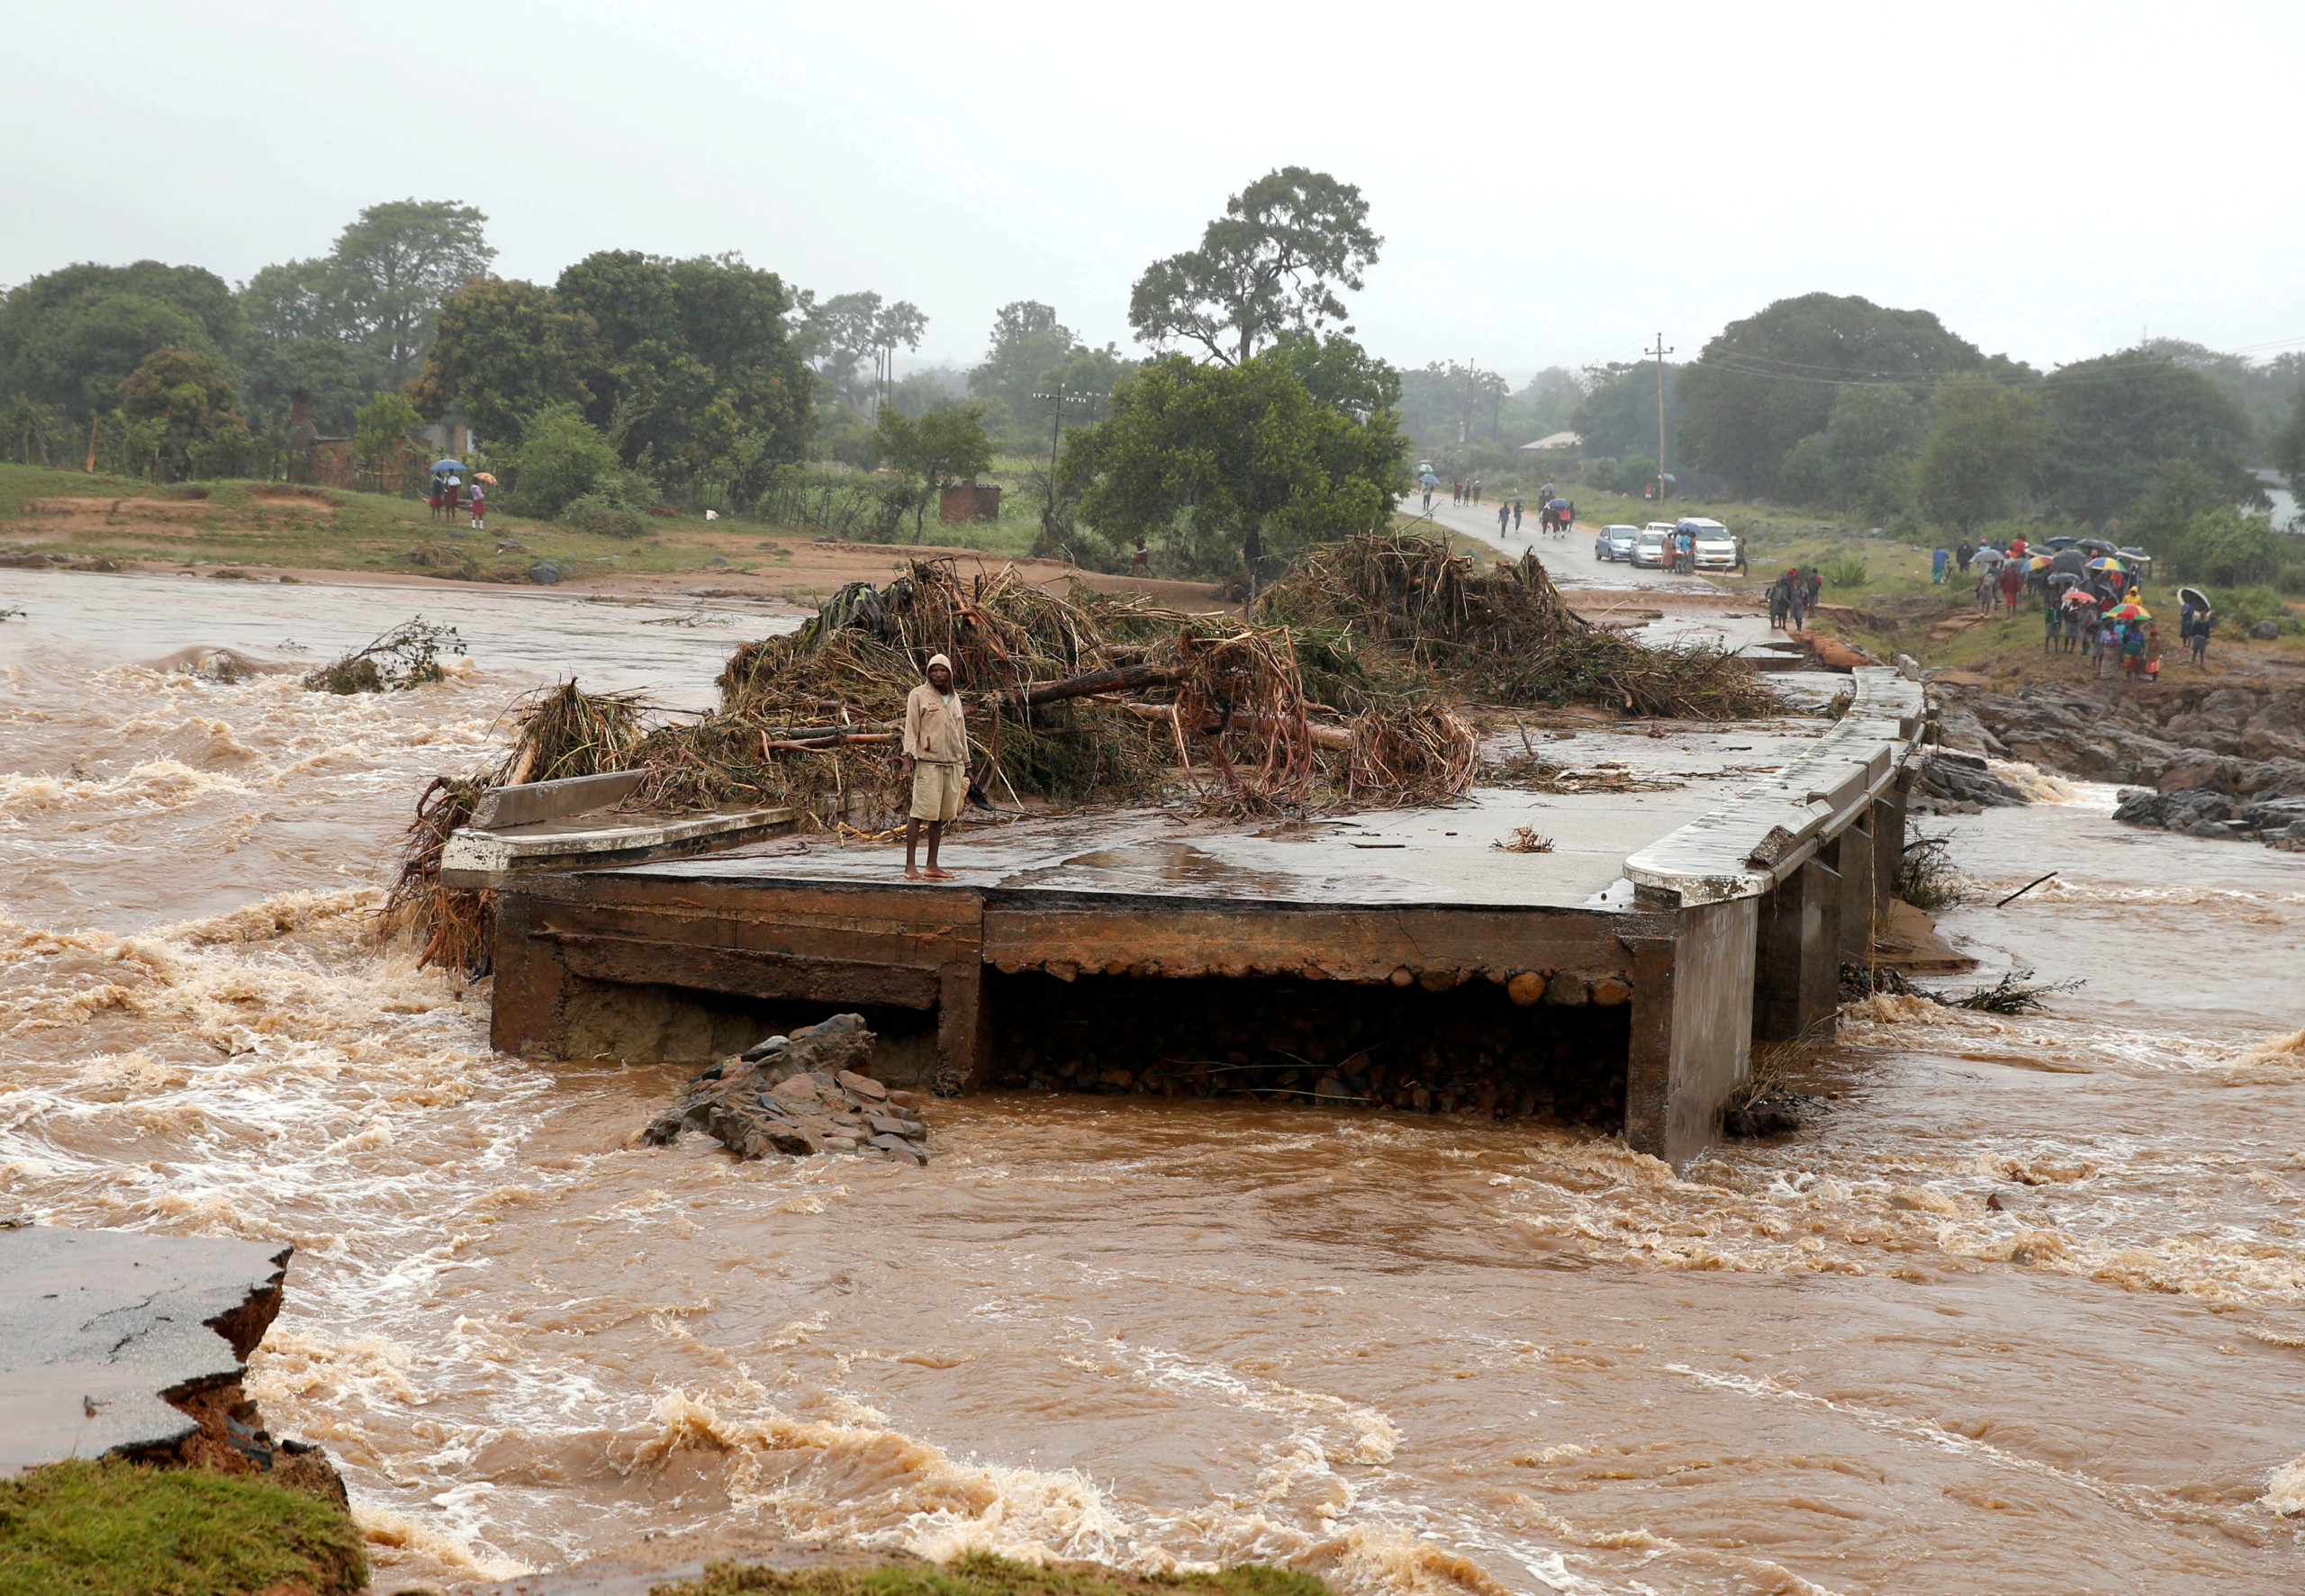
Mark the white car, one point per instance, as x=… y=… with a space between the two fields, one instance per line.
x=1648 y=548
x=1715 y=545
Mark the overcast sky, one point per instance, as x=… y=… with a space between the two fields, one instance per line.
x=1555 y=183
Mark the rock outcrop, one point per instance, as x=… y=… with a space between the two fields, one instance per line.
x=810 y=1092
x=2209 y=759
x=1952 y=782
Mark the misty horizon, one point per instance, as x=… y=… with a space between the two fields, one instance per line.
x=2015 y=192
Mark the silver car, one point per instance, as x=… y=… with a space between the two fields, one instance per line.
x=1615 y=543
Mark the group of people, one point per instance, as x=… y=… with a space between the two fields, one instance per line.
x=1467 y=492
x=450 y=496
x=1508 y=516
x=1792 y=597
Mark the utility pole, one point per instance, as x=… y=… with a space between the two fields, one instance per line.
x=1056 y=403
x=1661 y=351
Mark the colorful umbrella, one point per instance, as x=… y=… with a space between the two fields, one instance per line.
x=2039 y=563
x=2106 y=563
x=2080 y=596
x=2130 y=611
x=482 y=476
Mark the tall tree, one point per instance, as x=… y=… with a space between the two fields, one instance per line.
x=1985 y=447
x=1032 y=353
x=1229 y=462
x=2288 y=445
x=396 y=262
x=945 y=446
x=851 y=339
x=1273 y=263
x=1864 y=459
x=506 y=350
x=187 y=396
x=2124 y=420
x=1764 y=383
x=1617 y=415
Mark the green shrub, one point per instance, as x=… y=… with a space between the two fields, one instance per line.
x=1845 y=570
x=2239 y=609
x=606 y=514
x=562 y=458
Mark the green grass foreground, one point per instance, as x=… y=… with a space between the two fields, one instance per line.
x=116 y=1529
x=980 y=1574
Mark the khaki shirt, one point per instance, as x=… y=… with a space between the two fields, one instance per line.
x=934 y=732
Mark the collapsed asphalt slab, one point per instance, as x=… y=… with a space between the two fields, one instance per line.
x=118 y=1341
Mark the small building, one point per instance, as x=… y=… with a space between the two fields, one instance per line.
x=970 y=502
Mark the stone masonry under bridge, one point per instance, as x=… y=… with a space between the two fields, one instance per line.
x=1620 y=979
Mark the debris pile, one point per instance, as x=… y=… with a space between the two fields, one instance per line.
x=1385 y=610
x=810 y=1092
x=407 y=656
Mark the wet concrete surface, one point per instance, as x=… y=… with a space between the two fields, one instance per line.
x=1444 y=856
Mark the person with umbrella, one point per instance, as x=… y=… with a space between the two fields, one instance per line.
x=1428 y=481
x=480 y=499
x=445 y=486
x=2131 y=619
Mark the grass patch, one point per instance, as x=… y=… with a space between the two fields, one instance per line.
x=116 y=1529
x=270 y=524
x=980 y=1574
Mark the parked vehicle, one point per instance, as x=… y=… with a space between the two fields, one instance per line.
x=1649 y=547
x=1716 y=548
x=1615 y=542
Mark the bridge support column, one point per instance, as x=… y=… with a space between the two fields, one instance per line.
x=1853 y=860
x=1692 y=1028
x=1796 y=964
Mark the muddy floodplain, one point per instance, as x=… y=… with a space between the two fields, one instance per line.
x=2022 y=1311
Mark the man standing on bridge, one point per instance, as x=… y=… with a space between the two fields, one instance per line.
x=936 y=763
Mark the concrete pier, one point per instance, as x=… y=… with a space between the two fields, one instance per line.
x=1668 y=929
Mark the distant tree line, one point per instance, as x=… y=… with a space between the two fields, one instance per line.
x=1837 y=404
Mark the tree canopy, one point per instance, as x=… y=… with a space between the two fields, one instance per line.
x=1985 y=449
x=1272 y=264
x=686 y=366
x=186 y=394
x=357 y=320
x=70 y=338
x=2124 y=420
x=1762 y=384
x=945 y=446
x=1230 y=462
x=1617 y=416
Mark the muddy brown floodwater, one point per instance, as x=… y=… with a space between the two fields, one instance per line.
x=1416 y=1353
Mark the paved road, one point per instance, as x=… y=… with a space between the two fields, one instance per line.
x=1569 y=560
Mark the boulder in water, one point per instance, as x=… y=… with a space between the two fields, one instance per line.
x=807 y=1092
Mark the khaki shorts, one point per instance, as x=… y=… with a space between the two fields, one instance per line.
x=938 y=790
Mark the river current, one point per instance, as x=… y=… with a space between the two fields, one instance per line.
x=1416 y=1355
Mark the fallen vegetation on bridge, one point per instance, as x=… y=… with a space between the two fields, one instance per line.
x=1344 y=690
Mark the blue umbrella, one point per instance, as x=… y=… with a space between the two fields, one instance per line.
x=440 y=466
